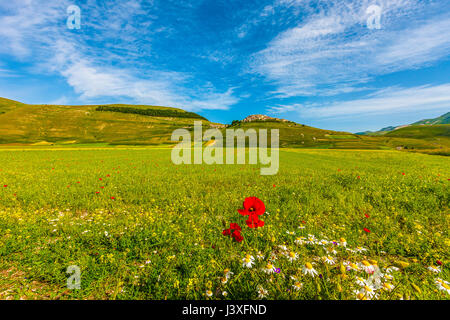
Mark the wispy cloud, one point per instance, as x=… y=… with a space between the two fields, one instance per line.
x=333 y=52
x=387 y=101
x=106 y=58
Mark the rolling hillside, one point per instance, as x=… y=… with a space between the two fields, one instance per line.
x=114 y=124
x=23 y=124
x=296 y=135
x=444 y=119
x=422 y=131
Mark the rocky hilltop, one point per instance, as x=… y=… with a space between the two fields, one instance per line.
x=259 y=117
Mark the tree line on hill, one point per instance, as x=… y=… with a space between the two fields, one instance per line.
x=152 y=112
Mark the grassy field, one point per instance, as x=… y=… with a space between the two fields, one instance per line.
x=140 y=227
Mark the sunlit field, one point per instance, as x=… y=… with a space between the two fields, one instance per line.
x=140 y=227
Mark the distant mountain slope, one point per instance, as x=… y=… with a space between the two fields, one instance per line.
x=115 y=124
x=444 y=119
x=421 y=131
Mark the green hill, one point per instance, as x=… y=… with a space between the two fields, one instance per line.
x=114 y=124
x=444 y=119
x=296 y=135
x=119 y=124
x=421 y=131
x=299 y=135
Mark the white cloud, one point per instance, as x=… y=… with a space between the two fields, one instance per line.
x=106 y=61
x=385 y=101
x=157 y=87
x=333 y=52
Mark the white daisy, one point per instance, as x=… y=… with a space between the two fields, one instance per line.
x=311 y=240
x=391 y=269
x=434 y=269
x=360 y=281
x=209 y=293
x=262 y=293
x=388 y=277
x=273 y=256
x=227 y=273
x=360 y=249
x=248 y=261
x=343 y=242
x=443 y=285
x=292 y=256
x=367 y=292
x=388 y=286
x=308 y=269
x=328 y=260
x=297 y=286
x=300 y=240
x=269 y=268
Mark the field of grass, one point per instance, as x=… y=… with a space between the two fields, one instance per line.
x=140 y=227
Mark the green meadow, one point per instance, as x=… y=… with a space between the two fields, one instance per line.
x=140 y=227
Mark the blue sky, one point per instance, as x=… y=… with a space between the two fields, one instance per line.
x=319 y=63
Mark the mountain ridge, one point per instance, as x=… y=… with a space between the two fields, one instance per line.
x=443 y=119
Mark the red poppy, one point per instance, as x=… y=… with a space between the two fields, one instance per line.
x=367 y=216
x=274 y=185
x=235 y=231
x=439 y=262
x=252 y=206
x=366 y=230
x=254 y=222
x=113 y=198
x=5 y=186
x=237 y=236
x=233 y=226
